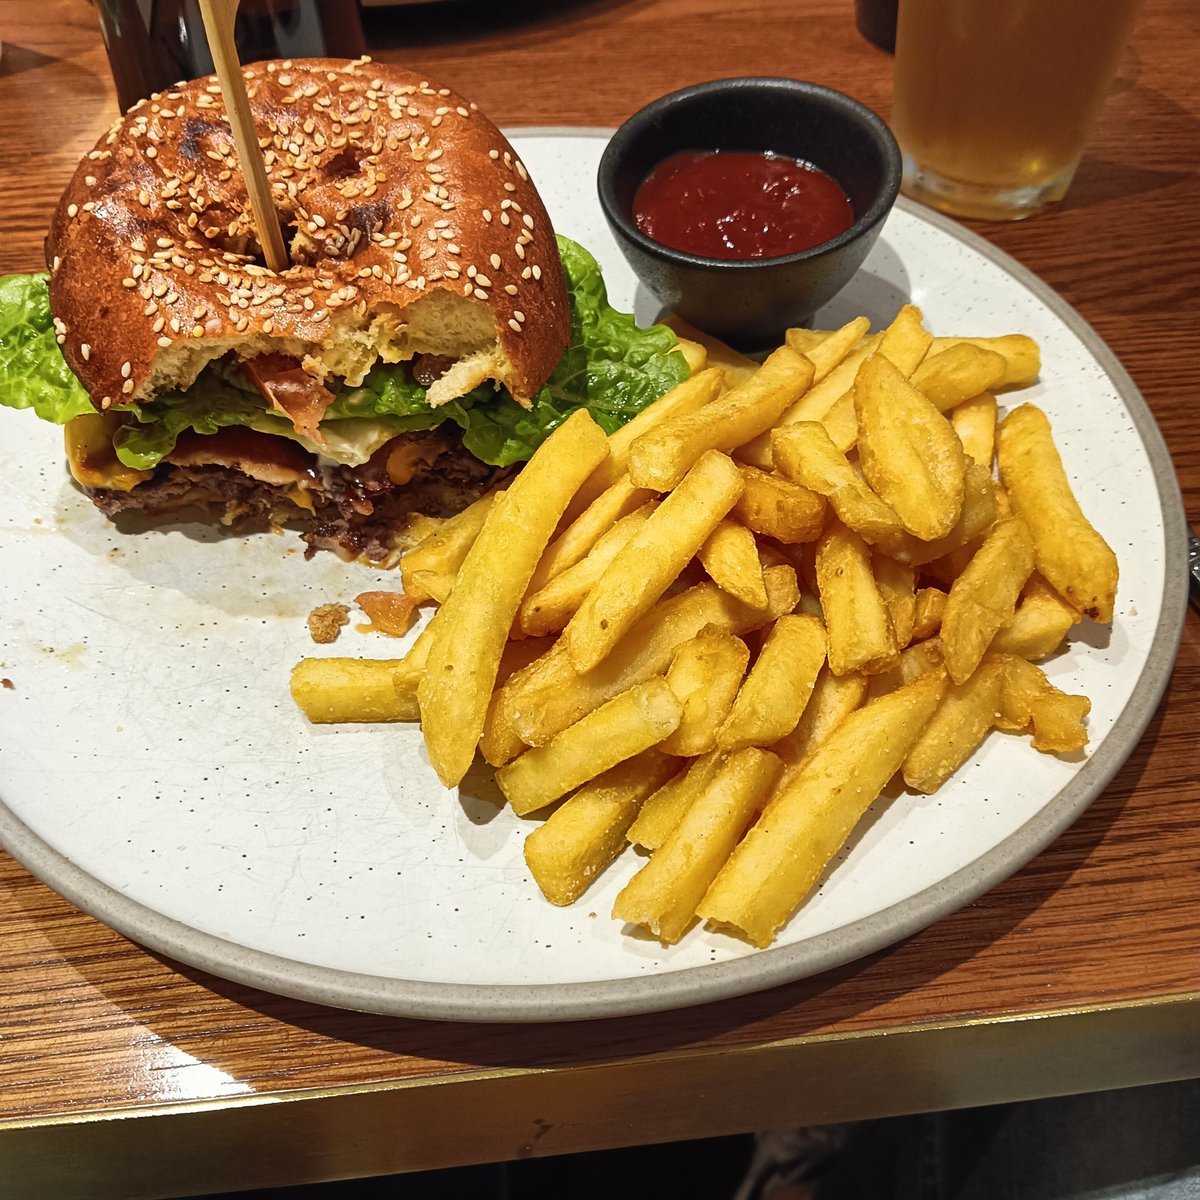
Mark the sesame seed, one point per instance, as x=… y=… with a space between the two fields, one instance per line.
x=495 y=261
x=515 y=326
x=85 y=351
x=164 y=341
x=127 y=386
x=126 y=370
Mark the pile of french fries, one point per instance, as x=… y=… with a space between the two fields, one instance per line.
x=718 y=634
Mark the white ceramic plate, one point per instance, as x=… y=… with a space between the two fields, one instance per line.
x=154 y=770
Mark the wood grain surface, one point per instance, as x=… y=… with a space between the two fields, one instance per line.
x=1105 y=921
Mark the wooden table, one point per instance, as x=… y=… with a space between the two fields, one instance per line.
x=1081 y=972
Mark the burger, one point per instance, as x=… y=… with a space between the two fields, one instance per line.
x=430 y=331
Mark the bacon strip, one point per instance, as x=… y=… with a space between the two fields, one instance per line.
x=262 y=456
x=290 y=390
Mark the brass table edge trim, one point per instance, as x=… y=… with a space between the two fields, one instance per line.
x=478 y=1075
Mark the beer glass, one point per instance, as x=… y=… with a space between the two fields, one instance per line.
x=994 y=99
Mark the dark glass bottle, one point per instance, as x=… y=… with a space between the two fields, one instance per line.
x=153 y=44
x=876 y=20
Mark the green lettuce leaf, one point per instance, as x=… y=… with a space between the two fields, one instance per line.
x=33 y=372
x=612 y=368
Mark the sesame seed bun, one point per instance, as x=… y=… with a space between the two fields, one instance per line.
x=412 y=229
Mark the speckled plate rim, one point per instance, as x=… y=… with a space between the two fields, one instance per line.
x=721 y=981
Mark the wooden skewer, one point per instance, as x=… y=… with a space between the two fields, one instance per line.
x=218 y=17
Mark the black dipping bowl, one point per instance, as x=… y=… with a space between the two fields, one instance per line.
x=751 y=302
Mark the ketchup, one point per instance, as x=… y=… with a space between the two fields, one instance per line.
x=739 y=204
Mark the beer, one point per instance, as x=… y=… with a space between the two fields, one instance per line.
x=994 y=99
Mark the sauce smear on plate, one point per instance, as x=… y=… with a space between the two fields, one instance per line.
x=740 y=204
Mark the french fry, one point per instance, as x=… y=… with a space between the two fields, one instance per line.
x=1038 y=627
x=1004 y=506
x=861 y=636
x=813 y=405
x=950 y=566
x=909 y=452
x=984 y=597
x=704 y=675
x=730 y=556
x=914 y=660
x=1070 y=554
x=897 y=585
x=778 y=508
x=804 y=453
x=826 y=350
x=406 y=678
x=694 y=354
x=567 y=852
x=1021 y=355
x=1031 y=703
x=814 y=811
x=550 y=694
x=651 y=562
x=906 y=341
x=518 y=654
x=974 y=421
x=663 y=810
x=904 y=344
x=927 y=613
x=833 y=699
x=979 y=513
x=692 y=395
x=473 y=624
x=660 y=459
x=549 y=609
x=663 y=895
x=350 y=690
x=577 y=540
x=737 y=367
x=958 y=373
x=777 y=689
x=429 y=569
x=625 y=726
x=962 y=720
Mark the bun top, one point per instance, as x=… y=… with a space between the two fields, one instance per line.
x=412 y=226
